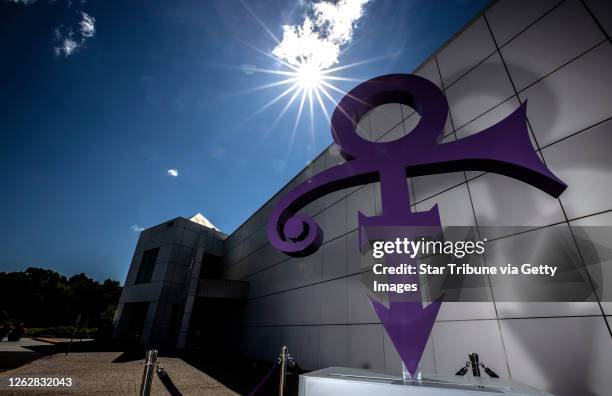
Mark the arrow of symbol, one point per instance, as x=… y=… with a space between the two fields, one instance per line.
x=408 y=325
x=407 y=322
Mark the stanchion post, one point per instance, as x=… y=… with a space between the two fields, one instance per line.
x=283 y=370
x=76 y=327
x=147 y=375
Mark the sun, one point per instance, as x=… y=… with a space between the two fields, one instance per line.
x=309 y=76
x=308 y=85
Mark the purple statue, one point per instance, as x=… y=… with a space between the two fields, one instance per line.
x=504 y=148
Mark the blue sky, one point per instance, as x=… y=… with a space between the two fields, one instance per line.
x=88 y=138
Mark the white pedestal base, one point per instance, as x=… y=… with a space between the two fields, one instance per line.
x=334 y=381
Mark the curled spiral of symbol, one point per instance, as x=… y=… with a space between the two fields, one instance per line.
x=303 y=229
x=302 y=235
x=298 y=227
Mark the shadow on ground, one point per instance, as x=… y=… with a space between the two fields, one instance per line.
x=243 y=375
x=239 y=374
x=11 y=360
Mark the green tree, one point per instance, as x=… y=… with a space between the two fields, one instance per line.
x=43 y=298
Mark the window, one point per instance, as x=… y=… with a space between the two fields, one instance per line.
x=212 y=267
x=147 y=265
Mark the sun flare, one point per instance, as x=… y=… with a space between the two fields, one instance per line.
x=309 y=76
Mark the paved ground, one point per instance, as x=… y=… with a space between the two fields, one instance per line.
x=95 y=373
x=19 y=346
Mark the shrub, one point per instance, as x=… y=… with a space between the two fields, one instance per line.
x=62 y=332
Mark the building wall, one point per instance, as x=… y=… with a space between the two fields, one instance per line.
x=174 y=280
x=558 y=56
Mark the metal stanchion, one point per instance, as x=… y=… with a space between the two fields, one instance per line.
x=149 y=369
x=76 y=328
x=283 y=370
x=283 y=360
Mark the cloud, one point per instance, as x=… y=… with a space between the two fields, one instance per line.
x=68 y=41
x=24 y=2
x=173 y=172
x=326 y=28
x=68 y=45
x=136 y=228
x=87 y=25
x=71 y=42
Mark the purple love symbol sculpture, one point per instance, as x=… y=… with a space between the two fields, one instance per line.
x=504 y=148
